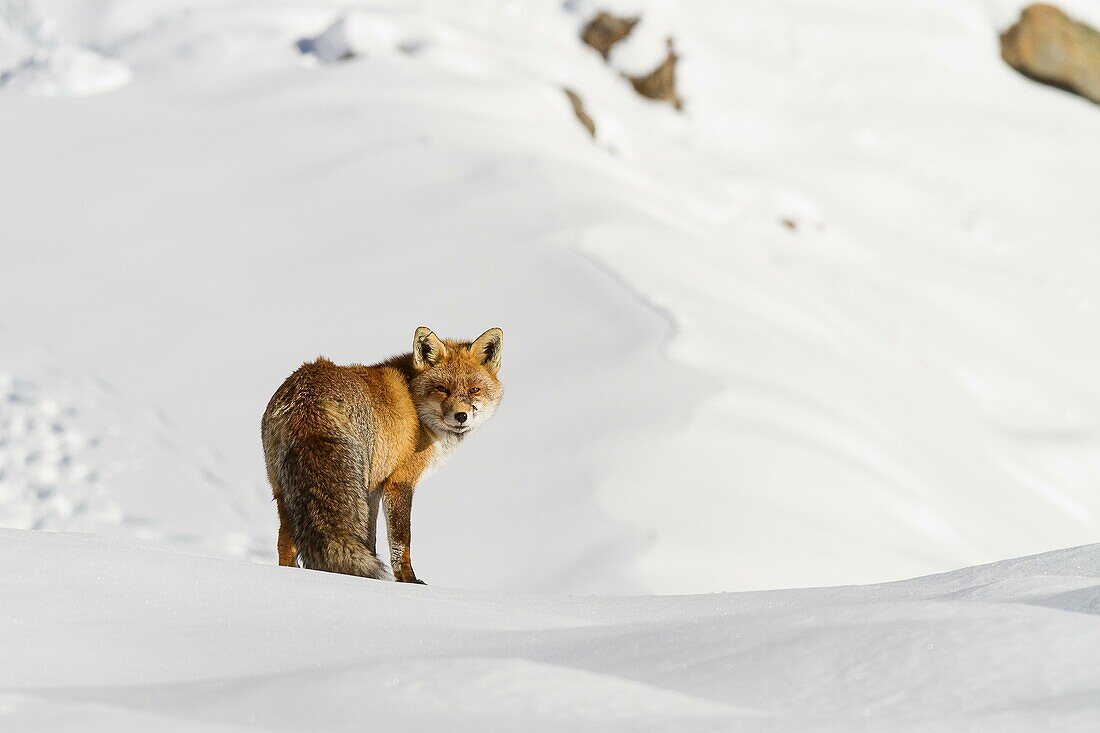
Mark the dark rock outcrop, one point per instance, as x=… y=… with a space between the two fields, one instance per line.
x=660 y=84
x=605 y=30
x=579 y=111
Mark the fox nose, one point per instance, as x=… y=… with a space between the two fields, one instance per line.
x=460 y=416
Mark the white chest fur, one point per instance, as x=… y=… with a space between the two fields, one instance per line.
x=444 y=445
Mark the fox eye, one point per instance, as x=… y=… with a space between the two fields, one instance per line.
x=443 y=390
x=475 y=390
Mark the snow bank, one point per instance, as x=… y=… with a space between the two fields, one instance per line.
x=183 y=642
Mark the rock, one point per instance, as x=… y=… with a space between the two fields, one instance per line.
x=660 y=84
x=605 y=30
x=578 y=110
x=1048 y=46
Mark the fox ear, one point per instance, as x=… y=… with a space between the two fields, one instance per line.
x=428 y=350
x=487 y=348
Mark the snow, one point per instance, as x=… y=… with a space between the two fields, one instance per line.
x=33 y=60
x=819 y=323
x=183 y=642
x=834 y=323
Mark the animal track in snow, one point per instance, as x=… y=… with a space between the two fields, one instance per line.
x=51 y=471
x=78 y=455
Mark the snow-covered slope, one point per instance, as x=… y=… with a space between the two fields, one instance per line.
x=111 y=635
x=834 y=323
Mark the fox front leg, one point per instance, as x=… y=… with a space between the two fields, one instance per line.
x=373 y=499
x=397 y=503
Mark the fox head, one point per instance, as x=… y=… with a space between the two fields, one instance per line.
x=455 y=387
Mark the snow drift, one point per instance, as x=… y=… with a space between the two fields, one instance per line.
x=117 y=635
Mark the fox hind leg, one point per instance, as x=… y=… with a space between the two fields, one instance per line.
x=288 y=551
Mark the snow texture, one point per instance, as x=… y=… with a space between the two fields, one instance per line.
x=179 y=642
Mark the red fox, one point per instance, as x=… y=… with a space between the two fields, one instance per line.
x=339 y=440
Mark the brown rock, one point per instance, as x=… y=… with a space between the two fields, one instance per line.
x=660 y=84
x=1050 y=47
x=605 y=30
x=578 y=110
